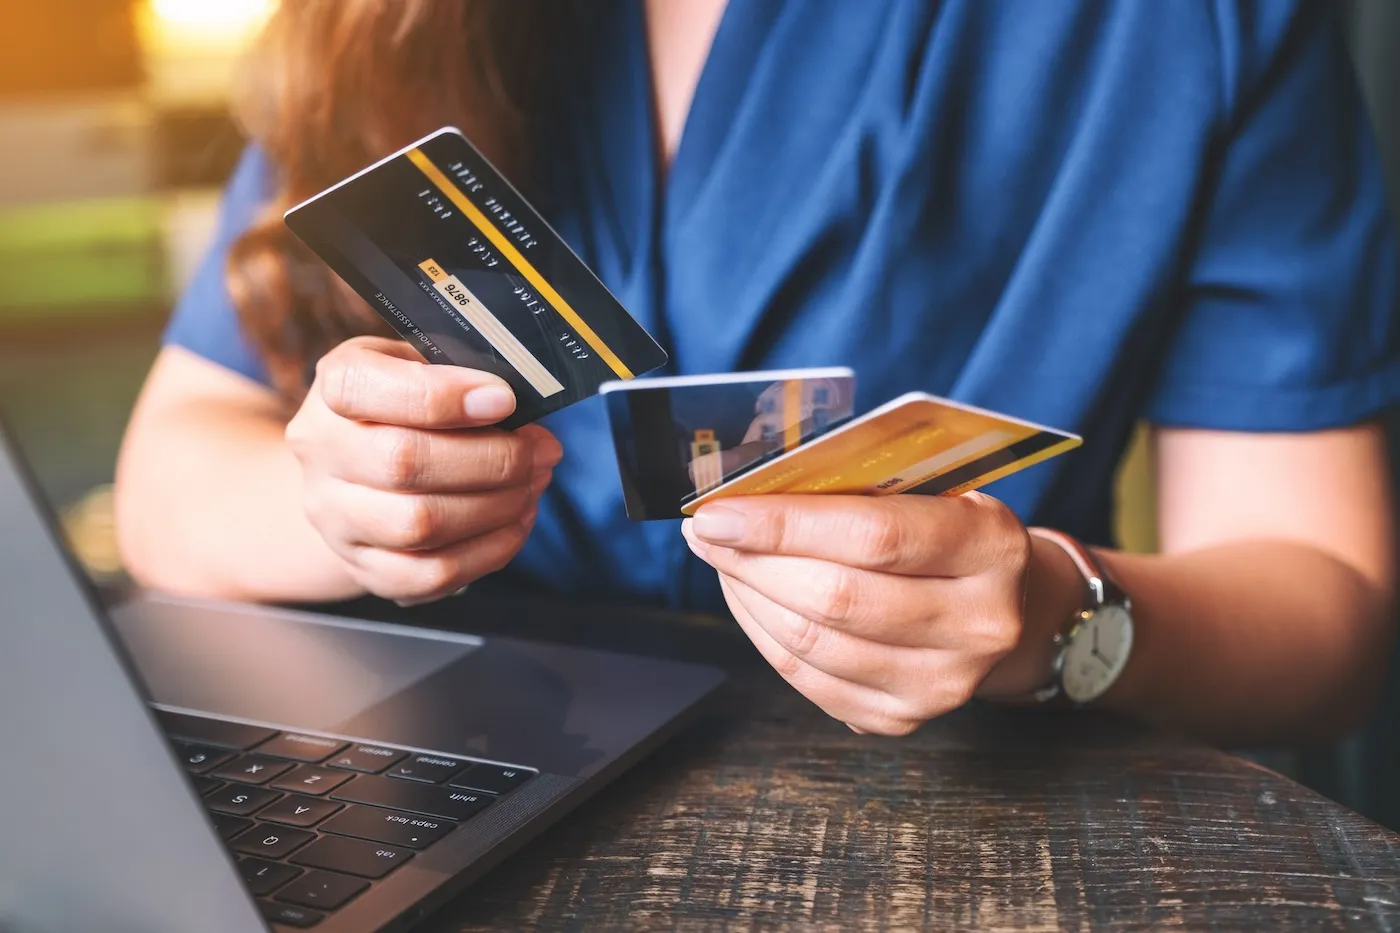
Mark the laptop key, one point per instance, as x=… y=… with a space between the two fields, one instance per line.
x=270 y=841
x=201 y=759
x=239 y=801
x=201 y=730
x=430 y=800
x=391 y=826
x=430 y=769
x=253 y=769
x=299 y=747
x=229 y=826
x=263 y=877
x=370 y=759
x=204 y=786
x=290 y=915
x=310 y=779
x=352 y=856
x=324 y=890
x=494 y=779
x=296 y=810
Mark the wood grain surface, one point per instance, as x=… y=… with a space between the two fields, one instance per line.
x=766 y=815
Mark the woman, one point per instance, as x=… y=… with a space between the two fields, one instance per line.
x=1079 y=215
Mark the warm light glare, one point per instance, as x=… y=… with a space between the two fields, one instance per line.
x=202 y=25
x=212 y=15
x=191 y=46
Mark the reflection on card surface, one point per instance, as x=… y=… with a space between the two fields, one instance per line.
x=449 y=253
x=679 y=438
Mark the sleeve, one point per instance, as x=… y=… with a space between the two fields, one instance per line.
x=205 y=321
x=1288 y=316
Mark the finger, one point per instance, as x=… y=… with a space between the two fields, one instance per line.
x=972 y=618
x=527 y=520
x=547 y=454
x=370 y=380
x=861 y=707
x=397 y=521
x=894 y=670
x=420 y=576
x=906 y=611
x=538 y=434
x=917 y=535
x=411 y=460
x=389 y=346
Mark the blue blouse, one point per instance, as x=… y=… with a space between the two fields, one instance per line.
x=1082 y=214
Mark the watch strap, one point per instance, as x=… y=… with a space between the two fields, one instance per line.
x=1099 y=584
x=1098 y=588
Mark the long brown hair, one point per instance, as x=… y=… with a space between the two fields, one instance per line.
x=333 y=85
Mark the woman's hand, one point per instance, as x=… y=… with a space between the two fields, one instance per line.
x=885 y=612
x=403 y=476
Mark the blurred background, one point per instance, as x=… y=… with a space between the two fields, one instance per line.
x=114 y=141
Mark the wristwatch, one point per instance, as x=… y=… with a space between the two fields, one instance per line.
x=1097 y=641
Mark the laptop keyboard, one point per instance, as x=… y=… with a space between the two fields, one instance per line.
x=314 y=821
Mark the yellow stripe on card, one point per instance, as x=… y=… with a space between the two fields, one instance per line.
x=461 y=299
x=514 y=257
x=792 y=413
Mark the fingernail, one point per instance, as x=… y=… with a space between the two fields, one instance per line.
x=720 y=525
x=548 y=453
x=698 y=548
x=540 y=482
x=489 y=403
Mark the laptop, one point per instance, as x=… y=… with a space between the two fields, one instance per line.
x=178 y=765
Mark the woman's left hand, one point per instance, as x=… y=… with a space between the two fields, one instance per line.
x=885 y=612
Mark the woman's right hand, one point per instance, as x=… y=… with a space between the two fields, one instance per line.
x=405 y=478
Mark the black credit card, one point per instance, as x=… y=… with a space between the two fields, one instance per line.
x=452 y=256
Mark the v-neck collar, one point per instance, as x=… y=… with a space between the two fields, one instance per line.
x=660 y=201
x=637 y=214
x=738 y=40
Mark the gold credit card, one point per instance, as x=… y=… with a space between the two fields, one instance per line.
x=917 y=443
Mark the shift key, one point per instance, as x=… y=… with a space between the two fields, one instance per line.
x=449 y=802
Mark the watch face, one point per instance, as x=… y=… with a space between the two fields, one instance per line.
x=1097 y=653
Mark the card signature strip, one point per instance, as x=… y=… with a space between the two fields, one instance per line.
x=514 y=257
x=462 y=300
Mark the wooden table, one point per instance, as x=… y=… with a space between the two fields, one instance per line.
x=765 y=814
